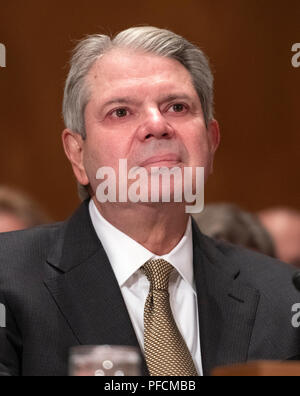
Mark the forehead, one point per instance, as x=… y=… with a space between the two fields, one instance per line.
x=124 y=69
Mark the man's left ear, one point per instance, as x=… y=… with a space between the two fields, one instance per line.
x=214 y=137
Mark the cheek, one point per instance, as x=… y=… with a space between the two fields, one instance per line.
x=197 y=145
x=103 y=150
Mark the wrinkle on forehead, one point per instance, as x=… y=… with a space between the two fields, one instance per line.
x=120 y=69
x=125 y=63
x=133 y=60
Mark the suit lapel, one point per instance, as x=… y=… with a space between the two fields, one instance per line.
x=83 y=285
x=227 y=308
x=85 y=289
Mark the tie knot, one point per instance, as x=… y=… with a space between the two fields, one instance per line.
x=158 y=273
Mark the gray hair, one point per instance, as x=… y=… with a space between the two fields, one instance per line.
x=229 y=223
x=146 y=39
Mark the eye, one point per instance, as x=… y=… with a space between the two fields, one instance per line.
x=120 y=113
x=178 y=108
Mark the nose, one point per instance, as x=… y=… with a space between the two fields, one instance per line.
x=155 y=126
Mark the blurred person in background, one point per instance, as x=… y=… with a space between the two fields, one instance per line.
x=284 y=226
x=231 y=224
x=18 y=211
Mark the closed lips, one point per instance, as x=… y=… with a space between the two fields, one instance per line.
x=163 y=158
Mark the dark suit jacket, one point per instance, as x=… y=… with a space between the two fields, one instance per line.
x=59 y=291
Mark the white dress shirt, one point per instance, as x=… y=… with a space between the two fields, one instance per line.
x=127 y=256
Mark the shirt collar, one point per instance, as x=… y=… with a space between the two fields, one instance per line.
x=127 y=256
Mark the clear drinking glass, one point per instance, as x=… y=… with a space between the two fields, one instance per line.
x=103 y=361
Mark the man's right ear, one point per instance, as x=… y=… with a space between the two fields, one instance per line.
x=73 y=146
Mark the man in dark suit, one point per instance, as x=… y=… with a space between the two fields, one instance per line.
x=139 y=273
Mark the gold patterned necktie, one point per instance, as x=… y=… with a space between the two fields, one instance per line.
x=165 y=349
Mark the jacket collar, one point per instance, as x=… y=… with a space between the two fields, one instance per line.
x=86 y=291
x=227 y=307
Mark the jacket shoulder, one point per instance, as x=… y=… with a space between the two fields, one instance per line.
x=23 y=248
x=266 y=274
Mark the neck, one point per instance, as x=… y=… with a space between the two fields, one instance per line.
x=157 y=227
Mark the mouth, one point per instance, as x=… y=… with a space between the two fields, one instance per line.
x=162 y=160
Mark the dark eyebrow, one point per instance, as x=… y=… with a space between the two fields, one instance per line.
x=121 y=100
x=178 y=96
x=128 y=100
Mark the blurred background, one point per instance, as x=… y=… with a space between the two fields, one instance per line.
x=257 y=91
